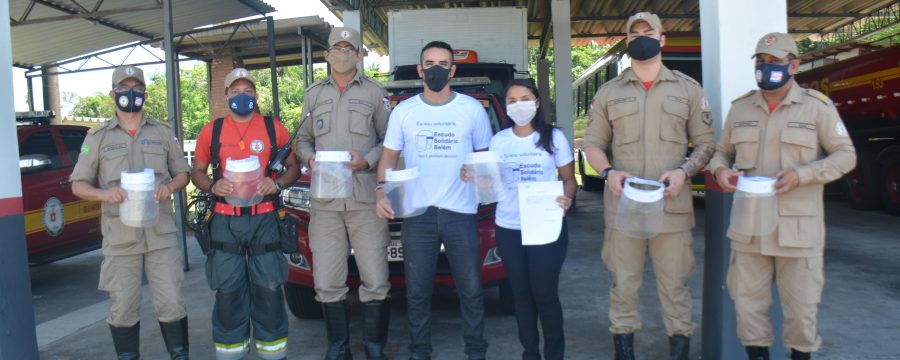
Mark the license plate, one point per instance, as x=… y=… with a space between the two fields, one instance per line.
x=395 y=251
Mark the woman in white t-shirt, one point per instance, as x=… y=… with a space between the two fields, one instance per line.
x=532 y=150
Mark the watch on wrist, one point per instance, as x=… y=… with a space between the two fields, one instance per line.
x=605 y=173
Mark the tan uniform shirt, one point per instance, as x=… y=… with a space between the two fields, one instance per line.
x=107 y=152
x=355 y=119
x=805 y=133
x=646 y=133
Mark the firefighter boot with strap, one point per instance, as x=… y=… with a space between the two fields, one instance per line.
x=799 y=355
x=679 y=347
x=175 y=335
x=337 y=326
x=377 y=320
x=758 y=353
x=624 y=344
x=127 y=341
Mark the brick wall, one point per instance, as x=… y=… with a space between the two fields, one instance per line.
x=221 y=66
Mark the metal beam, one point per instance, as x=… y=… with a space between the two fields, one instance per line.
x=270 y=29
x=87 y=16
x=261 y=10
x=103 y=22
x=545 y=30
x=404 y=3
x=173 y=96
x=697 y=16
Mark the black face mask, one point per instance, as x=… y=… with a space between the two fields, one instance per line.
x=129 y=101
x=772 y=76
x=643 y=48
x=436 y=77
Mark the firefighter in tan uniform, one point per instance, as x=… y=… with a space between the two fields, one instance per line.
x=641 y=124
x=348 y=112
x=794 y=135
x=132 y=142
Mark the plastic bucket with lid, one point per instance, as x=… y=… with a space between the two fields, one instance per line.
x=140 y=208
x=332 y=177
x=484 y=170
x=245 y=175
x=399 y=187
x=640 y=211
x=754 y=211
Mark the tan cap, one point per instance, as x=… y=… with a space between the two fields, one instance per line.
x=777 y=44
x=349 y=35
x=238 y=74
x=650 y=18
x=127 y=72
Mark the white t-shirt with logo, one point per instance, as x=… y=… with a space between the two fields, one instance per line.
x=526 y=161
x=436 y=139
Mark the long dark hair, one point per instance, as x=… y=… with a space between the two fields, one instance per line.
x=544 y=129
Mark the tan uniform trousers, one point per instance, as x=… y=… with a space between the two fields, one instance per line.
x=673 y=263
x=328 y=239
x=122 y=275
x=800 y=282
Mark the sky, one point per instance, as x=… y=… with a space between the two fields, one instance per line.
x=89 y=83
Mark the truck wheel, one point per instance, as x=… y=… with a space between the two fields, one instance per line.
x=861 y=184
x=507 y=304
x=891 y=185
x=302 y=301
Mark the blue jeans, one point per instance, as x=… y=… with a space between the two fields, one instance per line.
x=422 y=237
x=533 y=274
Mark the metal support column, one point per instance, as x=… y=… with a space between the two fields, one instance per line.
x=562 y=57
x=173 y=96
x=729 y=32
x=18 y=340
x=353 y=19
x=270 y=29
x=30 y=93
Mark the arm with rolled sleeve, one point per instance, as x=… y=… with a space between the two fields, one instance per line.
x=701 y=134
x=841 y=157
x=724 y=156
x=306 y=139
x=380 y=119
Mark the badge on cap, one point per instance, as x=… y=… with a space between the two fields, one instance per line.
x=639 y=15
x=771 y=39
x=129 y=71
x=345 y=34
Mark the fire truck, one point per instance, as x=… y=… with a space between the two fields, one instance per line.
x=866 y=91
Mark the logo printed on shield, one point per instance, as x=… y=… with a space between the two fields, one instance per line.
x=776 y=76
x=129 y=71
x=256 y=146
x=53 y=219
x=758 y=75
x=345 y=34
x=123 y=101
x=424 y=140
x=770 y=40
x=233 y=105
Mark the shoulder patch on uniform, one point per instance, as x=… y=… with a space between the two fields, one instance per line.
x=839 y=128
x=818 y=95
x=751 y=92
x=686 y=77
x=85 y=149
x=387 y=103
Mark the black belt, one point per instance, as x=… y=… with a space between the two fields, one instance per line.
x=252 y=250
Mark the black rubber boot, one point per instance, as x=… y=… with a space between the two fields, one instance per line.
x=624 y=346
x=758 y=353
x=679 y=347
x=127 y=341
x=377 y=320
x=798 y=355
x=175 y=335
x=337 y=327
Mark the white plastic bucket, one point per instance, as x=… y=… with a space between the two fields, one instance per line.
x=140 y=208
x=396 y=185
x=332 y=177
x=245 y=175
x=484 y=170
x=640 y=211
x=754 y=211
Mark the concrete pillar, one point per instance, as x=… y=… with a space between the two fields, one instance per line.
x=729 y=32
x=17 y=336
x=353 y=19
x=543 y=85
x=562 y=57
x=51 y=92
x=221 y=66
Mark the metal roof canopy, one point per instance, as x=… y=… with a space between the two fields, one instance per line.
x=48 y=31
x=603 y=21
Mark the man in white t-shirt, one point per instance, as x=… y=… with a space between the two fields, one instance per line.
x=435 y=131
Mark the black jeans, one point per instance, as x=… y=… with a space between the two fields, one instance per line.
x=533 y=273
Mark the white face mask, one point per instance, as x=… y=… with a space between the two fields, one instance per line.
x=522 y=112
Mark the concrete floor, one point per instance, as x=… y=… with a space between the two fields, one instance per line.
x=859 y=313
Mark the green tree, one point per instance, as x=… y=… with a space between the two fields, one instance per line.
x=99 y=105
x=194 y=100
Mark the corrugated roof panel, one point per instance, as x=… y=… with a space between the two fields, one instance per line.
x=49 y=42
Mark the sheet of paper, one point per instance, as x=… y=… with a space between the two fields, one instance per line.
x=540 y=214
